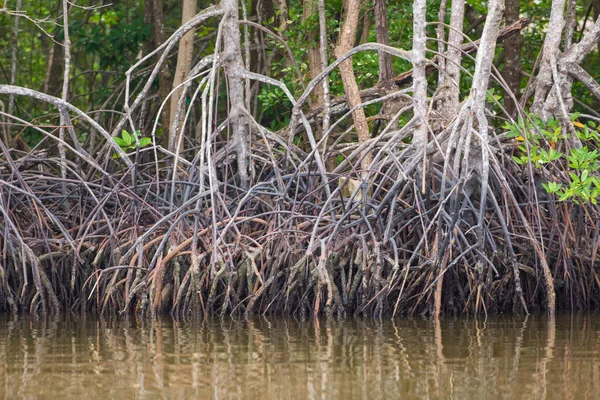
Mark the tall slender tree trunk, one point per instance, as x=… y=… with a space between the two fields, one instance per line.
x=596 y=6
x=324 y=60
x=386 y=72
x=184 y=65
x=451 y=94
x=53 y=80
x=13 y=66
x=148 y=18
x=550 y=53
x=513 y=69
x=314 y=61
x=164 y=79
x=65 y=91
x=265 y=13
x=283 y=15
x=419 y=77
x=234 y=69
x=315 y=65
x=345 y=44
x=440 y=31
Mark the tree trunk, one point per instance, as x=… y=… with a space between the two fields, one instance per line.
x=65 y=93
x=324 y=59
x=53 y=81
x=234 y=69
x=164 y=80
x=283 y=15
x=386 y=72
x=13 y=66
x=314 y=61
x=512 y=58
x=346 y=43
x=419 y=77
x=184 y=64
x=451 y=99
x=596 y=6
x=149 y=44
x=440 y=32
x=264 y=11
x=550 y=53
x=554 y=81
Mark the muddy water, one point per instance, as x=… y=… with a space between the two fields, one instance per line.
x=85 y=358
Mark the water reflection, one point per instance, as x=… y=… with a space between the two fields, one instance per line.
x=277 y=358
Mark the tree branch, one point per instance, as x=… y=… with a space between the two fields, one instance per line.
x=405 y=78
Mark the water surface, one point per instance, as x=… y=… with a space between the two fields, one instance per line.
x=86 y=358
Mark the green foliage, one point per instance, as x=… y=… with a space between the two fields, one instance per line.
x=128 y=142
x=276 y=107
x=541 y=141
x=107 y=36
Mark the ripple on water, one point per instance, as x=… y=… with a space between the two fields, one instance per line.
x=86 y=358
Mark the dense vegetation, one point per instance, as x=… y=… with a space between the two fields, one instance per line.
x=299 y=157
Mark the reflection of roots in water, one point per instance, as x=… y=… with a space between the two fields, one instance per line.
x=285 y=358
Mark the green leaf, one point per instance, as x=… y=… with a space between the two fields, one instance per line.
x=126 y=137
x=574 y=176
x=145 y=141
x=120 y=142
x=584 y=175
x=563 y=197
x=552 y=187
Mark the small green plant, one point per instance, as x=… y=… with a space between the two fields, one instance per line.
x=541 y=143
x=128 y=142
x=491 y=96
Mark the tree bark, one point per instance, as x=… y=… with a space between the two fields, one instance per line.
x=386 y=72
x=234 y=71
x=264 y=11
x=164 y=79
x=451 y=99
x=550 y=53
x=149 y=44
x=65 y=93
x=346 y=43
x=314 y=61
x=53 y=81
x=419 y=76
x=440 y=31
x=513 y=69
x=13 y=66
x=554 y=81
x=570 y=23
x=596 y=6
x=282 y=12
x=184 y=64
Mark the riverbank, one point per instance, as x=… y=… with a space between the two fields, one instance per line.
x=138 y=240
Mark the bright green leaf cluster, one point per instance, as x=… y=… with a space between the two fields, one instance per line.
x=128 y=142
x=541 y=143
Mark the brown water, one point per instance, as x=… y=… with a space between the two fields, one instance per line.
x=84 y=358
